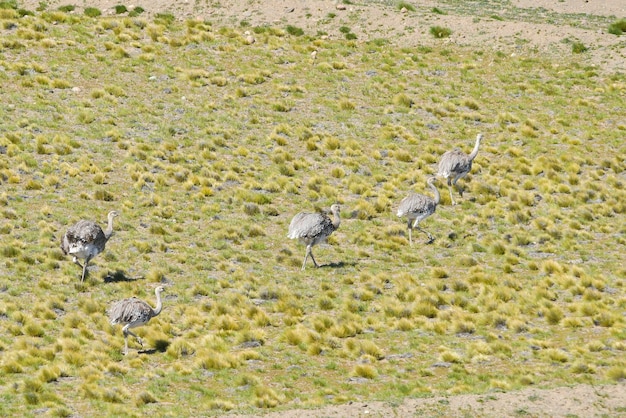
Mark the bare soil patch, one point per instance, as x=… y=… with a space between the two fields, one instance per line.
x=576 y=401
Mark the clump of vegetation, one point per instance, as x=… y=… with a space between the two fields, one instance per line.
x=295 y=31
x=92 y=12
x=618 y=27
x=136 y=11
x=440 y=32
x=405 y=5
x=67 y=8
x=579 y=48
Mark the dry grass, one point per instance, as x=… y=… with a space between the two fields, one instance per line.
x=207 y=145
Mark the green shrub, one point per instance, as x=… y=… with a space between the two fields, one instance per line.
x=618 y=27
x=67 y=8
x=8 y=4
x=164 y=18
x=578 y=48
x=440 y=32
x=92 y=12
x=136 y=11
x=294 y=30
x=404 y=5
x=120 y=8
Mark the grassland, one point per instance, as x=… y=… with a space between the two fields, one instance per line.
x=207 y=143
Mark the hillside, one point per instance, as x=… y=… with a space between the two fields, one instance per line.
x=209 y=127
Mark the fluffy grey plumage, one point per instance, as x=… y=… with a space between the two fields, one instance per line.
x=455 y=165
x=133 y=313
x=417 y=207
x=85 y=240
x=313 y=228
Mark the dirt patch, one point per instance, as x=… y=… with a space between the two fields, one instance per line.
x=576 y=401
x=615 y=8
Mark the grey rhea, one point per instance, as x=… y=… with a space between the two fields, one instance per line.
x=455 y=165
x=313 y=228
x=417 y=207
x=86 y=239
x=133 y=313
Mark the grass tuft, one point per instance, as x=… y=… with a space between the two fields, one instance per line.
x=618 y=27
x=145 y=398
x=92 y=12
x=440 y=32
x=405 y=5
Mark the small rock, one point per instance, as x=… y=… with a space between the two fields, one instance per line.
x=340 y=6
x=443 y=364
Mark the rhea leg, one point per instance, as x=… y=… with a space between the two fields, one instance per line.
x=430 y=237
x=419 y=228
x=127 y=332
x=458 y=186
x=309 y=252
x=75 y=261
x=84 y=268
x=410 y=228
x=450 y=190
x=306 y=255
x=313 y=258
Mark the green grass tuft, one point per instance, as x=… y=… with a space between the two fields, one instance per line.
x=579 y=48
x=440 y=32
x=618 y=27
x=92 y=12
x=405 y=5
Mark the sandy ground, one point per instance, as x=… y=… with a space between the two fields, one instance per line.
x=374 y=20
x=577 y=401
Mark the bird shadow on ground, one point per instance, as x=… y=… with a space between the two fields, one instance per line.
x=160 y=346
x=118 y=276
x=338 y=264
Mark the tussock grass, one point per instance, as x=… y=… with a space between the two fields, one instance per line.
x=209 y=145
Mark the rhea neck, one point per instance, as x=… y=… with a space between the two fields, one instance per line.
x=336 y=218
x=109 y=231
x=159 y=304
x=475 y=150
x=435 y=191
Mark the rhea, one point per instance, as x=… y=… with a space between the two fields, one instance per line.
x=417 y=207
x=132 y=313
x=85 y=240
x=313 y=228
x=455 y=164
